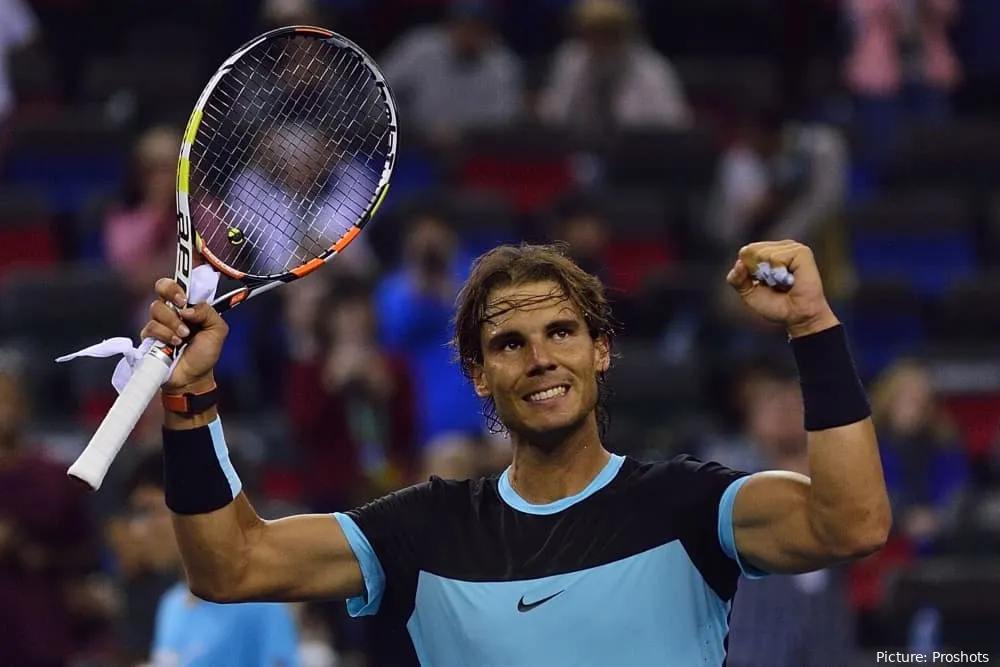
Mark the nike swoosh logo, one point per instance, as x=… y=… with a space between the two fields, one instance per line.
x=523 y=606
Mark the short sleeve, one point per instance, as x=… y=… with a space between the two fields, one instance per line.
x=385 y=537
x=704 y=493
x=727 y=534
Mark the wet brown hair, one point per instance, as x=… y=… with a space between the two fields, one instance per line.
x=510 y=265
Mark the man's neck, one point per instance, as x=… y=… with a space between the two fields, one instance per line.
x=541 y=475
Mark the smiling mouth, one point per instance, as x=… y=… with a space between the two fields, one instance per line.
x=547 y=394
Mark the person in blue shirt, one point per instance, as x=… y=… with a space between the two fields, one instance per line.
x=190 y=632
x=415 y=304
x=572 y=555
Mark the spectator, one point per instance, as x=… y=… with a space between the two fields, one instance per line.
x=139 y=231
x=802 y=620
x=48 y=547
x=352 y=405
x=415 y=307
x=607 y=77
x=925 y=465
x=900 y=66
x=579 y=222
x=18 y=29
x=777 y=181
x=189 y=631
x=456 y=76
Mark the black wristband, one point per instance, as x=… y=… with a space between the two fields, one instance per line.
x=832 y=392
x=198 y=476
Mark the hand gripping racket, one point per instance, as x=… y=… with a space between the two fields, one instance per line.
x=286 y=157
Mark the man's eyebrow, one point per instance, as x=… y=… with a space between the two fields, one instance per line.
x=502 y=337
x=565 y=323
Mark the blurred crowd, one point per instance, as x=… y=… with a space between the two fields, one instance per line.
x=653 y=139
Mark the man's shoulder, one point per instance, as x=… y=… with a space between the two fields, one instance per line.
x=675 y=481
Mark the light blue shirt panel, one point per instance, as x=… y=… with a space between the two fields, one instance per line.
x=653 y=608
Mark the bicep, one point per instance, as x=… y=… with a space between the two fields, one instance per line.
x=771 y=524
x=305 y=557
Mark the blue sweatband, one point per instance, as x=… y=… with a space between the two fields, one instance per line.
x=198 y=476
x=832 y=392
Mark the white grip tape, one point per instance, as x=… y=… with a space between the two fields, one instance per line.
x=93 y=463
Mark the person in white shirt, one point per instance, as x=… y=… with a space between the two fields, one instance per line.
x=455 y=76
x=18 y=29
x=607 y=77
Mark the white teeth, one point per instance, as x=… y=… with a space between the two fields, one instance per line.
x=547 y=394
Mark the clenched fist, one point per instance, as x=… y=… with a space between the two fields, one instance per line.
x=803 y=308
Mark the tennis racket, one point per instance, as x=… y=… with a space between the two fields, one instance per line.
x=286 y=157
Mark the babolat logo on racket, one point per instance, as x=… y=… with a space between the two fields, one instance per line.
x=183 y=251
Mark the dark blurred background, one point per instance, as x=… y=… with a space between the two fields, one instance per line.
x=654 y=138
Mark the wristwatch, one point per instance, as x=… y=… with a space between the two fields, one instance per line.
x=190 y=404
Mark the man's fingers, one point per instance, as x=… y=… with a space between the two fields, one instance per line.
x=204 y=316
x=782 y=254
x=165 y=315
x=739 y=277
x=161 y=333
x=168 y=290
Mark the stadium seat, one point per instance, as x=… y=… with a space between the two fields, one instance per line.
x=69 y=157
x=416 y=171
x=649 y=389
x=887 y=321
x=27 y=233
x=957 y=153
x=968 y=312
x=531 y=165
x=641 y=222
x=975 y=528
x=54 y=312
x=482 y=218
x=965 y=591
x=714 y=83
x=156 y=80
x=671 y=160
x=922 y=237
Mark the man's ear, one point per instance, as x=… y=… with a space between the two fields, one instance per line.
x=602 y=353
x=479 y=382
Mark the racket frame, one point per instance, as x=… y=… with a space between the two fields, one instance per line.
x=92 y=465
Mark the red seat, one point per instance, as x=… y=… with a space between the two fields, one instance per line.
x=530 y=183
x=29 y=245
x=978 y=417
x=631 y=260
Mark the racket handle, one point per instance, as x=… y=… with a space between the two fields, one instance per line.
x=93 y=463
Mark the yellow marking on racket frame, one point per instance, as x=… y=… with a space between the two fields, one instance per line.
x=184 y=175
x=192 y=126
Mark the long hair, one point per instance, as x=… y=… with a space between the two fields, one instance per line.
x=508 y=266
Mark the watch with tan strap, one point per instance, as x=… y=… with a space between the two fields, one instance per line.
x=190 y=404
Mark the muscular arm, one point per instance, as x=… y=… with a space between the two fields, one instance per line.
x=785 y=522
x=788 y=523
x=232 y=555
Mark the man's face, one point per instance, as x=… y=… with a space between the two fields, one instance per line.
x=540 y=363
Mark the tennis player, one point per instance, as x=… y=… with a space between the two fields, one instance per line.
x=573 y=555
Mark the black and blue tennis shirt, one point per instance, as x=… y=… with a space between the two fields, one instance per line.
x=638 y=569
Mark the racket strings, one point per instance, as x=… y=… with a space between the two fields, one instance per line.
x=289 y=154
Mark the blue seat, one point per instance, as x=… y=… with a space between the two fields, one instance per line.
x=925 y=239
x=886 y=321
x=68 y=181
